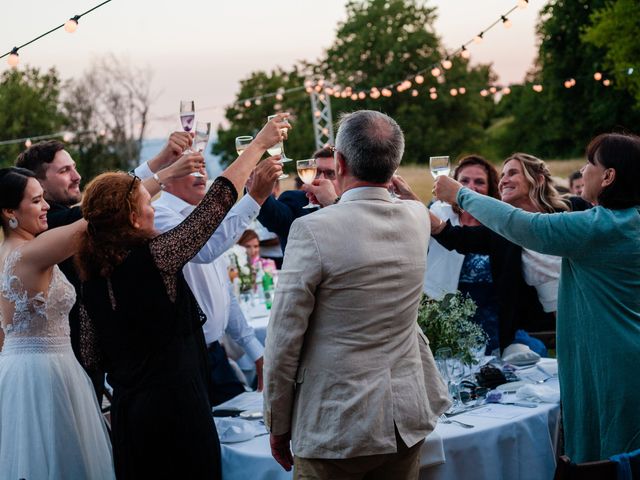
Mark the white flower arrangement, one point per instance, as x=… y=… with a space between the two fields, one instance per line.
x=239 y=262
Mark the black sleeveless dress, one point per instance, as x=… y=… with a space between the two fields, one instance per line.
x=147 y=328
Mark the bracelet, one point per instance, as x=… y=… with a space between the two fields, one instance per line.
x=157 y=179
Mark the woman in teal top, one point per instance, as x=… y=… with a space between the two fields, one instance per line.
x=598 y=323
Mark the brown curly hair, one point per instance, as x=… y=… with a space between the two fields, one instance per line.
x=107 y=204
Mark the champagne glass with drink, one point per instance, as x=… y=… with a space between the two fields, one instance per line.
x=203 y=130
x=439 y=166
x=278 y=148
x=307 y=172
x=242 y=142
x=187 y=114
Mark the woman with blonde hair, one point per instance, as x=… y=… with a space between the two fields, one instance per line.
x=144 y=324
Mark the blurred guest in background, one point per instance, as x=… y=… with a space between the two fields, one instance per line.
x=249 y=240
x=576 y=183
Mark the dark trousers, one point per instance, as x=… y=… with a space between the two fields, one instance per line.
x=223 y=384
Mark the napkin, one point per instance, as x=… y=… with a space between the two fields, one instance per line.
x=232 y=430
x=519 y=354
x=539 y=393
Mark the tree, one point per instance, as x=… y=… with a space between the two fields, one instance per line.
x=29 y=106
x=615 y=29
x=244 y=120
x=381 y=42
x=559 y=122
x=108 y=106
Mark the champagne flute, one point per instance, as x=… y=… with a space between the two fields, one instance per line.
x=307 y=172
x=187 y=114
x=392 y=191
x=439 y=166
x=242 y=142
x=203 y=130
x=278 y=148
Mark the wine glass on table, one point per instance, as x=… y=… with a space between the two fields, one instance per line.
x=307 y=172
x=242 y=142
x=439 y=166
x=278 y=148
x=202 y=131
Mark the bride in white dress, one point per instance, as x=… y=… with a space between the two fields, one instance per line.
x=50 y=422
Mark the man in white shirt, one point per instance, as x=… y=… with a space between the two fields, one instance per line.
x=207 y=274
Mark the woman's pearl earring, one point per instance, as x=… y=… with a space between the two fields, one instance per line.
x=13 y=223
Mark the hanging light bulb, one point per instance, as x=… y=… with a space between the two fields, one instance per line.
x=597 y=76
x=432 y=90
x=13 y=59
x=354 y=96
x=484 y=92
x=523 y=3
x=567 y=84
x=464 y=53
x=247 y=103
x=462 y=90
x=375 y=94
x=386 y=92
x=399 y=88
x=258 y=101
x=433 y=95
x=308 y=89
x=28 y=143
x=573 y=82
x=478 y=38
x=67 y=137
x=414 y=93
x=419 y=79
x=506 y=91
x=435 y=71
x=362 y=95
x=71 y=25
x=506 y=23
x=537 y=88
x=493 y=90
x=336 y=94
x=453 y=92
x=606 y=82
x=447 y=64
x=317 y=113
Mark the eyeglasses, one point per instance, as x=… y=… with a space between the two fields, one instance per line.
x=133 y=182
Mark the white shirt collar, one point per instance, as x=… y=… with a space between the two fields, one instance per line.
x=172 y=202
x=354 y=191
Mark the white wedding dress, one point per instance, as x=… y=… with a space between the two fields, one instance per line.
x=50 y=422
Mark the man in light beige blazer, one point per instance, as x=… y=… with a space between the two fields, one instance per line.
x=348 y=375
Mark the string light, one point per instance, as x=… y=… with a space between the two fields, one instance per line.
x=435 y=71
x=506 y=23
x=606 y=82
x=419 y=79
x=28 y=143
x=433 y=95
x=484 y=92
x=414 y=93
x=597 y=76
x=493 y=90
x=506 y=91
x=478 y=38
x=453 y=92
x=537 y=88
x=462 y=90
x=522 y=4
x=464 y=53
x=447 y=64
x=71 y=25
x=13 y=59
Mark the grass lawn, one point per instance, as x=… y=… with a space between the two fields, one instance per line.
x=419 y=177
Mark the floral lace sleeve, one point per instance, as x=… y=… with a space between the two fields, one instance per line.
x=173 y=249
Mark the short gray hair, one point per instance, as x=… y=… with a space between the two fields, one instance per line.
x=371 y=143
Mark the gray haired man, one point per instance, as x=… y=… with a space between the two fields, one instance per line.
x=348 y=375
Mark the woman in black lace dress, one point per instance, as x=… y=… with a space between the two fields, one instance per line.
x=142 y=322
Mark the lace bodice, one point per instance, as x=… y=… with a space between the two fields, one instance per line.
x=40 y=315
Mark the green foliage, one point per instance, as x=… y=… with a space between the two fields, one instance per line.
x=559 y=122
x=446 y=323
x=248 y=121
x=29 y=105
x=380 y=42
x=615 y=28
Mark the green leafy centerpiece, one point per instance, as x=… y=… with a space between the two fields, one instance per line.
x=447 y=324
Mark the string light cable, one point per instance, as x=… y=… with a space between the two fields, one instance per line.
x=70 y=26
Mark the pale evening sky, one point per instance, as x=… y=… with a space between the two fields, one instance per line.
x=200 y=49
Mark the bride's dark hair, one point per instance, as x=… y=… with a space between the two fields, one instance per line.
x=13 y=181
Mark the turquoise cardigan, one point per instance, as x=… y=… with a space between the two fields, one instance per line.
x=598 y=322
